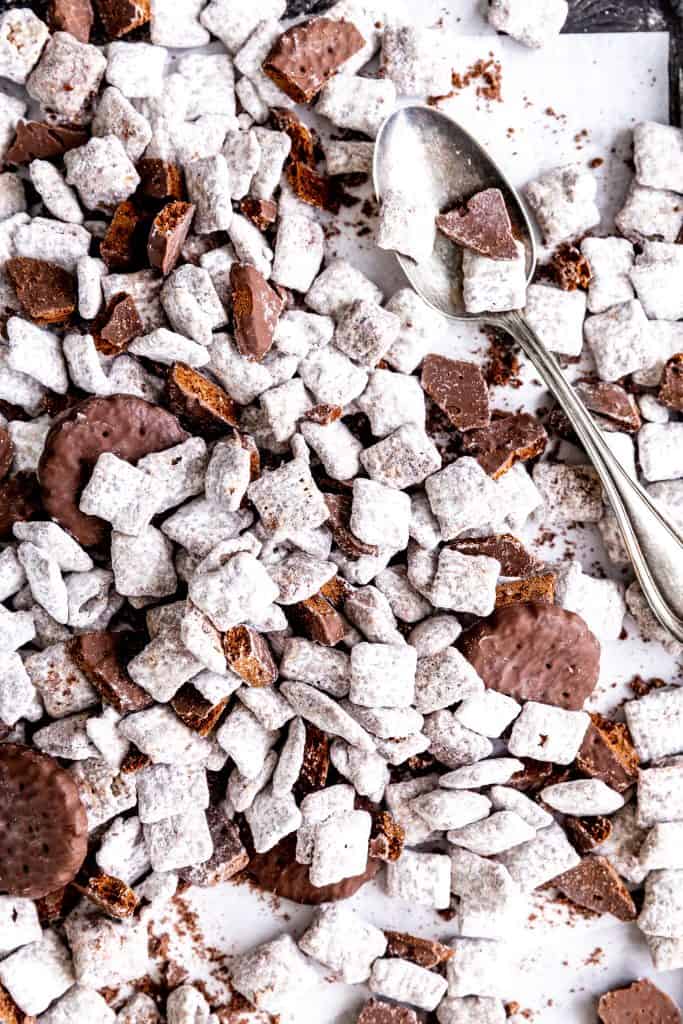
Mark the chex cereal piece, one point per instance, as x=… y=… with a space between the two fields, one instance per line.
x=659 y=796
x=341 y=940
x=416 y=59
x=298 y=332
x=275 y=147
x=442 y=679
x=291 y=758
x=299 y=247
x=272 y=974
x=657 y=151
x=611 y=261
x=335 y=446
x=57 y=196
x=68 y=554
x=199 y=525
x=548 y=733
x=12 y=195
x=420 y=326
x=210 y=82
x=191 y=303
x=445 y=810
x=557 y=316
x=662 y=912
x=403 y=459
x=28 y=440
x=166 y=790
x=340 y=847
x=319 y=709
x=160 y=734
x=465 y=583
x=144 y=287
x=208 y=186
x=494 y=285
x=79 y=1004
x=563 y=201
x=406 y=604
x=236 y=592
x=504 y=798
x=338 y=286
x=102 y=172
x=343 y=157
x=283 y=406
x=649 y=626
x=390 y=400
x=599 y=602
x=12 y=575
x=299 y=576
x=186 y=1005
x=228 y=474
x=246 y=740
x=242 y=792
x=136 y=68
x=479 y=967
x=38 y=973
x=366 y=331
x=540 y=859
x=422 y=878
x=380 y=514
x=16 y=629
x=64 y=58
x=491 y=902
x=88 y=595
x=316 y=808
x=204 y=641
x=143 y=564
x=166 y=346
x=332 y=377
x=399 y=797
x=488 y=713
x=308 y=662
x=657 y=269
x=45 y=580
x=22 y=37
x=122 y=851
x=408 y=982
x=250 y=245
x=534 y=27
x=497 y=833
x=570 y=493
x=662 y=847
x=121 y=494
x=52 y=241
x=451 y=743
x=178 y=471
x=368 y=773
x=462 y=497
x=103 y=792
x=666 y=953
x=36 y=353
x=659 y=451
x=358 y=103
x=66 y=738
x=117 y=116
x=286 y=497
x=406 y=224
x=382 y=675
x=102 y=731
x=18 y=698
x=654 y=722
x=19 y=924
x=650 y=214
x=483 y=773
x=179 y=841
x=105 y=952
x=243 y=154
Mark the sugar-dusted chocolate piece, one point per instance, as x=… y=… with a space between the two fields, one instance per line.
x=248 y=654
x=307 y=55
x=483 y=226
x=323 y=414
x=195 y=711
x=279 y=872
x=336 y=591
x=229 y=855
x=534 y=588
x=20 y=500
x=72 y=16
x=318 y=620
x=122 y=238
x=256 y=308
x=514 y=558
x=43 y=824
x=459 y=390
x=639 y=1003
x=376 y=1011
x=595 y=884
x=671 y=387
x=129 y=426
x=117 y=326
x=315 y=766
x=167 y=235
x=110 y=895
x=532 y=777
x=134 y=761
x=607 y=753
x=612 y=402
x=507 y=440
x=587 y=833
x=536 y=652
x=386 y=836
x=45 y=290
x=119 y=17
x=204 y=407
x=102 y=658
x=261 y=212
x=424 y=952
x=303 y=143
x=339 y=507
x=6 y=453
x=160 y=179
x=314 y=188
x=570 y=269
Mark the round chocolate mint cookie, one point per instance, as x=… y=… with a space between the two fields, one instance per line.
x=536 y=652
x=43 y=824
x=279 y=872
x=128 y=426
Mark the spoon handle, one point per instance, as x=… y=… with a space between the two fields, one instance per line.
x=654 y=544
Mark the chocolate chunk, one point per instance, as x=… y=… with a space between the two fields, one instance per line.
x=256 y=308
x=124 y=424
x=307 y=55
x=314 y=188
x=386 y=837
x=261 y=212
x=102 y=657
x=118 y=325
x=484 y=227
x=134 y=761
x=339 y=507
x=514 y=559
x=6 y=453
x=376 y=1011
x=336 y=591
x=229 y=856
x=43 y=824
x=508 y=439
x=110 y=895
x=316 y=619
x=671 y=387
x=55 y=905
x=612 y=403
x=119 y=17
x=122 y=241
x=570 y=269
x=20 y=500
x=73 y=16
x=323 y=414
x=195 y=711
x=607 y=753
x=536 y=652
x=587 y=833
x=533 y=588
x=532 y=777
x=36 y=140
x=316 y=762
x=160 y=179
x=424 y=952
x=459 y=390
x=46 y=291
x=204 y=407
x=248 y=655
x=278 y=871
x=640 y=1003
x=595 y=884
x=303 y=143
x=167 y=235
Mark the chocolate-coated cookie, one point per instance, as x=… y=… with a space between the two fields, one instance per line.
x=279 y=872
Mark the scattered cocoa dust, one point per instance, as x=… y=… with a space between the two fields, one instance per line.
x=487 y=73
x=641 y=687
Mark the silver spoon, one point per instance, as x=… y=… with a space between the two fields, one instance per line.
x=424 y=147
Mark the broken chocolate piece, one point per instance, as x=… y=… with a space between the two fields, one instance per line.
x=640 y=1003
x=459 y=390
x=532 y=777
x=110 y=895
x=336 y=591
x=386 y=837
x=507 y=440
x=248 y=654
x=587 y=833
x=46 y=291
x=308 y=55
x=323 y=414
x=314 y=188
x=376 y=1011
x=608 y=754
x=671 y=387
x=102 y=658
x=229 y=856
x=339 y=507
x=278 y=871
x=134 y=761
x=121 y=243
x=195 y=711
x=316 y=762
x=256 y=308
x=514 y=559
x=55 y=905
x=6 y=453
x=424 y=952
x=595 y=884
x=117 y=326
x=303 y=143
x=167 y=235
x=119 y=17
x=484 y=226
x=570 y=269
x=20 y=500
x=37 y=140
x=316 y=619
x=261 y=212
x=204 y=407
x=618 y=410
x=72 y=16
x=533 y=588
x=536 y=652
x=160 y=179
